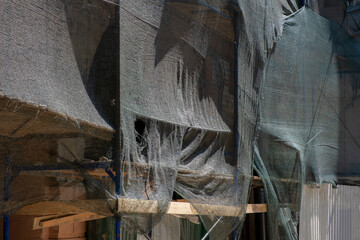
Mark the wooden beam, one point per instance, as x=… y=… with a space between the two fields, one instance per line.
x=136 y=206
x=175 y=208
x=126 y=205
x=187 y=175
x=185 y=208
x=56 y=220
x=181 y=208
x=37 y=220
x=46 y=208
x=256 y=208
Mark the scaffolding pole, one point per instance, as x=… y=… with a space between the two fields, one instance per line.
x=6 y=219
x=117 y=147
x=236 y=119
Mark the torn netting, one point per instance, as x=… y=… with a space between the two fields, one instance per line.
x=56 y=90
x=178 y=65
x=186 y=67
x=177 y=107
x=49 y=117
x=307 y=130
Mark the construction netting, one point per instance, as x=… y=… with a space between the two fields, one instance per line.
x=307 y=110
x=114 y=107
x=56 y=108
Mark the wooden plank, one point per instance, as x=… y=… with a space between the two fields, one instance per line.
x=67 y=207
x=96 y=173
x=37 y=220
x=133 y=206
x=137 y=206
x=175 y=208
x=257 y=182
x=185 y=208
x=181 y=208
x=256 y=208
x=56 y=220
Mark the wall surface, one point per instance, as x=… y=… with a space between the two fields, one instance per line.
x=330 y=214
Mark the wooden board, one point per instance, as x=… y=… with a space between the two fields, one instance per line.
x=100 y=173
x=134 y=206
x=46 y=208
x=56 y=220
x=176 y=208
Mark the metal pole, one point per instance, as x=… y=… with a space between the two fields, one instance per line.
x=118 y=226
x=6 y=198
x=213 y=226
x=150 y=227
x=117 y=119
x=236 y=117
x=260 y=218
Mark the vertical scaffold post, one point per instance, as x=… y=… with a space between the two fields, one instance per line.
x=236 y=118
x=117 y=119
x=150 y=227
x=6 y=226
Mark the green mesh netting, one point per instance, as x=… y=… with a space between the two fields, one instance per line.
x=200 y=92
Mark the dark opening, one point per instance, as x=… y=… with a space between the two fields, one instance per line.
x=140 y=129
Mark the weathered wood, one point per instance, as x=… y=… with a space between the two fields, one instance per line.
x=256 y=208
x=37 y=220
x=67 y=207
x=147 y=206
x=257 y=182
x=134 y=206
x=181 y=208
x=56 y=220
x=185 y=208
x=137 y=206
x=96 y=173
